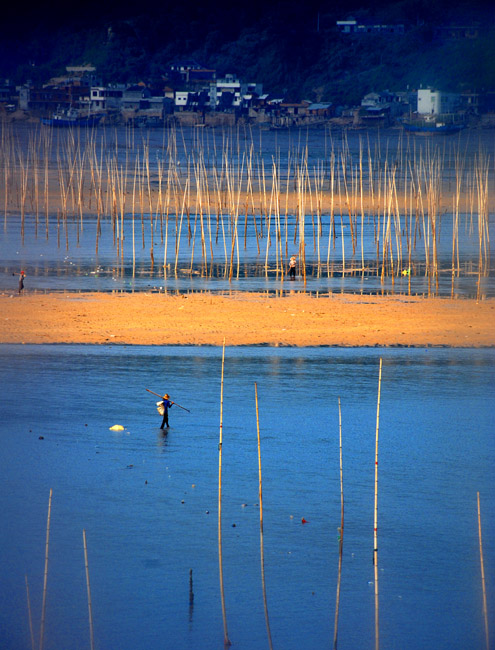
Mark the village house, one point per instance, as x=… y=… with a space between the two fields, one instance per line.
x=385 y=103
x=320 y=111
x=290 y=113
x=49 y=98
x=107 y=98
x=8 y=95
x=189 y=71
x=71 y=90
x=435 y=102
x=352 y=26
x=230 y=93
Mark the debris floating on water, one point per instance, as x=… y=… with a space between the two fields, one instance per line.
x=117 y=427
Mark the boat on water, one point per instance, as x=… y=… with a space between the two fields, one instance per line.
x=431 y=126
x=72 y=117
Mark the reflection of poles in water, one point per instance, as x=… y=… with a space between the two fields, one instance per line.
x=261 y=523
x=90 y=608
x=485 y=609
x=375 y=527
x=226 y=640
x=45 y=576
x=29 y=613
x=341 y=537
x=337 y=598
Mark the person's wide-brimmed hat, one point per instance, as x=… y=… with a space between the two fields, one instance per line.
x=166 y=396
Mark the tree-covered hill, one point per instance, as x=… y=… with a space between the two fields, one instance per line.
x=292 y=47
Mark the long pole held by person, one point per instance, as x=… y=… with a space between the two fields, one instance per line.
x=161 y=397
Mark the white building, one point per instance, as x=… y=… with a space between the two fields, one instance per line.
x=231 y=92
x=435 y=102
x=181 y=99
x=105 y=98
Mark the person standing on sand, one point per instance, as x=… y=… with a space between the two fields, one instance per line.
x=166 y=403
x=21 y=282
x=292 y=267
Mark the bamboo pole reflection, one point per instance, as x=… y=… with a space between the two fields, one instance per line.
x=45 y=576
x=485 y=608
x=30 y=614
x=262 y=552
x=88 y=588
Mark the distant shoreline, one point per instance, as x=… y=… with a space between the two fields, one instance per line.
x=221 y=120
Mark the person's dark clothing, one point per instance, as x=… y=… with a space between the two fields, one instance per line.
x=166 y=405
x=292 y=268
x=21 y=282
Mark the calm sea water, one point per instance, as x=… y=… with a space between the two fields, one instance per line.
x=148 y=502
x=67 y=261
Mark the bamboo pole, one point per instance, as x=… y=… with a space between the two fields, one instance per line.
x=341 y=539
x=191 y=592
x=45 y=577
x=375 y=527
x=133 y=223
x=341 y=478
x=88 y=587
x=226 y=640
x=177 y=245
x=262 y=552
x=485 y=608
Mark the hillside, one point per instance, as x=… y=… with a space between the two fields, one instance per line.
x=293 y=48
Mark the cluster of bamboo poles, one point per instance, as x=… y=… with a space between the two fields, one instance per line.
x=386 y=206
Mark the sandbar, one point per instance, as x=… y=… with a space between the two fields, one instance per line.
x=246 y=319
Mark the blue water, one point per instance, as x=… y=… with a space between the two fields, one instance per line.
x=148 y=502
x=67 y=260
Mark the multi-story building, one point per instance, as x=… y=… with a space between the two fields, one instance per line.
x=435 y=102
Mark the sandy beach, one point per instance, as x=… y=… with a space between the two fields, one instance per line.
x=246 y=319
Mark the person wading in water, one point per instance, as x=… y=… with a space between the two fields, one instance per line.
x=292 y=267
x=166 y=403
